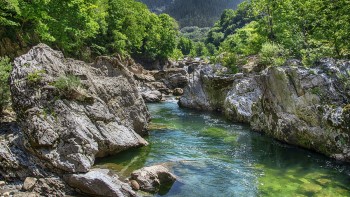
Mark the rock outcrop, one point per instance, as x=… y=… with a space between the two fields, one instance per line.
x=153 y=84
x=70 y=133
x=153 y=178
x=68 y=113
x=308 y=107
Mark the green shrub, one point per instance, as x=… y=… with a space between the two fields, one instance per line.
x=66 y=84
x=35 y=77
x=229 y=60
x=177 y=54
x=5 y=69
x=272 y=54
x=315 y=52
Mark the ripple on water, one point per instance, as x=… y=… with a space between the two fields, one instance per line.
x=213 y=157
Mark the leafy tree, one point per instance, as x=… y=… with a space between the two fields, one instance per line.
x=8 y=10
x=185 y=45
x=246 y=41
x=199 y=50
x=5 y=69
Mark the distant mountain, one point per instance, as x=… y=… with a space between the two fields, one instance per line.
x=202 y=13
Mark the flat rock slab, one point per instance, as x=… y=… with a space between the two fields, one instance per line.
x=99 y=182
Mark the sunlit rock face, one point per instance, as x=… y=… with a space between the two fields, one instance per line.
x=308 y=107
x=68 y=129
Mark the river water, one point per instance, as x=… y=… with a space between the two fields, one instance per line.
x=214 y=157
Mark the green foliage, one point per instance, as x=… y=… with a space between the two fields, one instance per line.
x=199 y=50
x=177 y=54
x=230 y=61
x=307 y=29
x=185 y=45
x=202 y=13
x=272 y=54
x=65 y=84
x=230 y=21
x=35 y=77
x=8 y=9
x=5 y=69
x=194 y=33
x=86 y=28
x=246 y=41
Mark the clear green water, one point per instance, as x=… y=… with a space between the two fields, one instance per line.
x=214 y=157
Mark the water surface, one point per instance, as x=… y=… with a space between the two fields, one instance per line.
x=215 y=157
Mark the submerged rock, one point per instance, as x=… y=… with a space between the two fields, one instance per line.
x=153 y=178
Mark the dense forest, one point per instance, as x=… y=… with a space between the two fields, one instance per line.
x=201 y=13
x=278 y=30
x=86 y=28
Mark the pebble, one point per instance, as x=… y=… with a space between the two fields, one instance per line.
x=135 y=185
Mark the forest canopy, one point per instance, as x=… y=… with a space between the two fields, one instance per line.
x=84 y=28
x=302 y=29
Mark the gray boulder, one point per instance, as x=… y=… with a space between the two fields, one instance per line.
x=152 y=96
x=99 y=182
x=153 y=178
x=104 y=115
x=306 y=107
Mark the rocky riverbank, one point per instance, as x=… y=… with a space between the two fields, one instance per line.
x=68 y=114
x=308 y=107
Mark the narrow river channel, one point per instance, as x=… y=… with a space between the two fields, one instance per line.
x=215 y=157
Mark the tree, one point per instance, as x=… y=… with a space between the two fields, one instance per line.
x=185 y=45
x=8 y=10
x=5 y=69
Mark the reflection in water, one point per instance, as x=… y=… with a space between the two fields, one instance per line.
x=213 y=157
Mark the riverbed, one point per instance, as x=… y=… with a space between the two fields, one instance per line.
x=215 y=157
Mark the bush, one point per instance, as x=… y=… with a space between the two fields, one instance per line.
x=229 y=60
x=67 y=84
x=272 y=54
x=5 y=69
x=35 y=77
x=315 y=52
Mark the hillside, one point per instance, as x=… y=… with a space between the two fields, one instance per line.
x=202 y=13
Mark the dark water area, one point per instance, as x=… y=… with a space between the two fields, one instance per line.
x=215 y=157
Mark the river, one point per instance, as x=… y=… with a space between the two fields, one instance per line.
x=215 y=157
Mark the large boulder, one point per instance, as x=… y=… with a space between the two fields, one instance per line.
x=207 y=90
x=153 y=178
x=99 y=182
x=307 y=107
x=67 y=130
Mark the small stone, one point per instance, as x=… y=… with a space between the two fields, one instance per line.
x=19 y=187
x=135 y=185
x=2 y=183
x=29 y=183
x=178 y=92
x=6 y=194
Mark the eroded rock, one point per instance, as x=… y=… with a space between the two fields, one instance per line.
x=301 y=106
x=69 y=133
